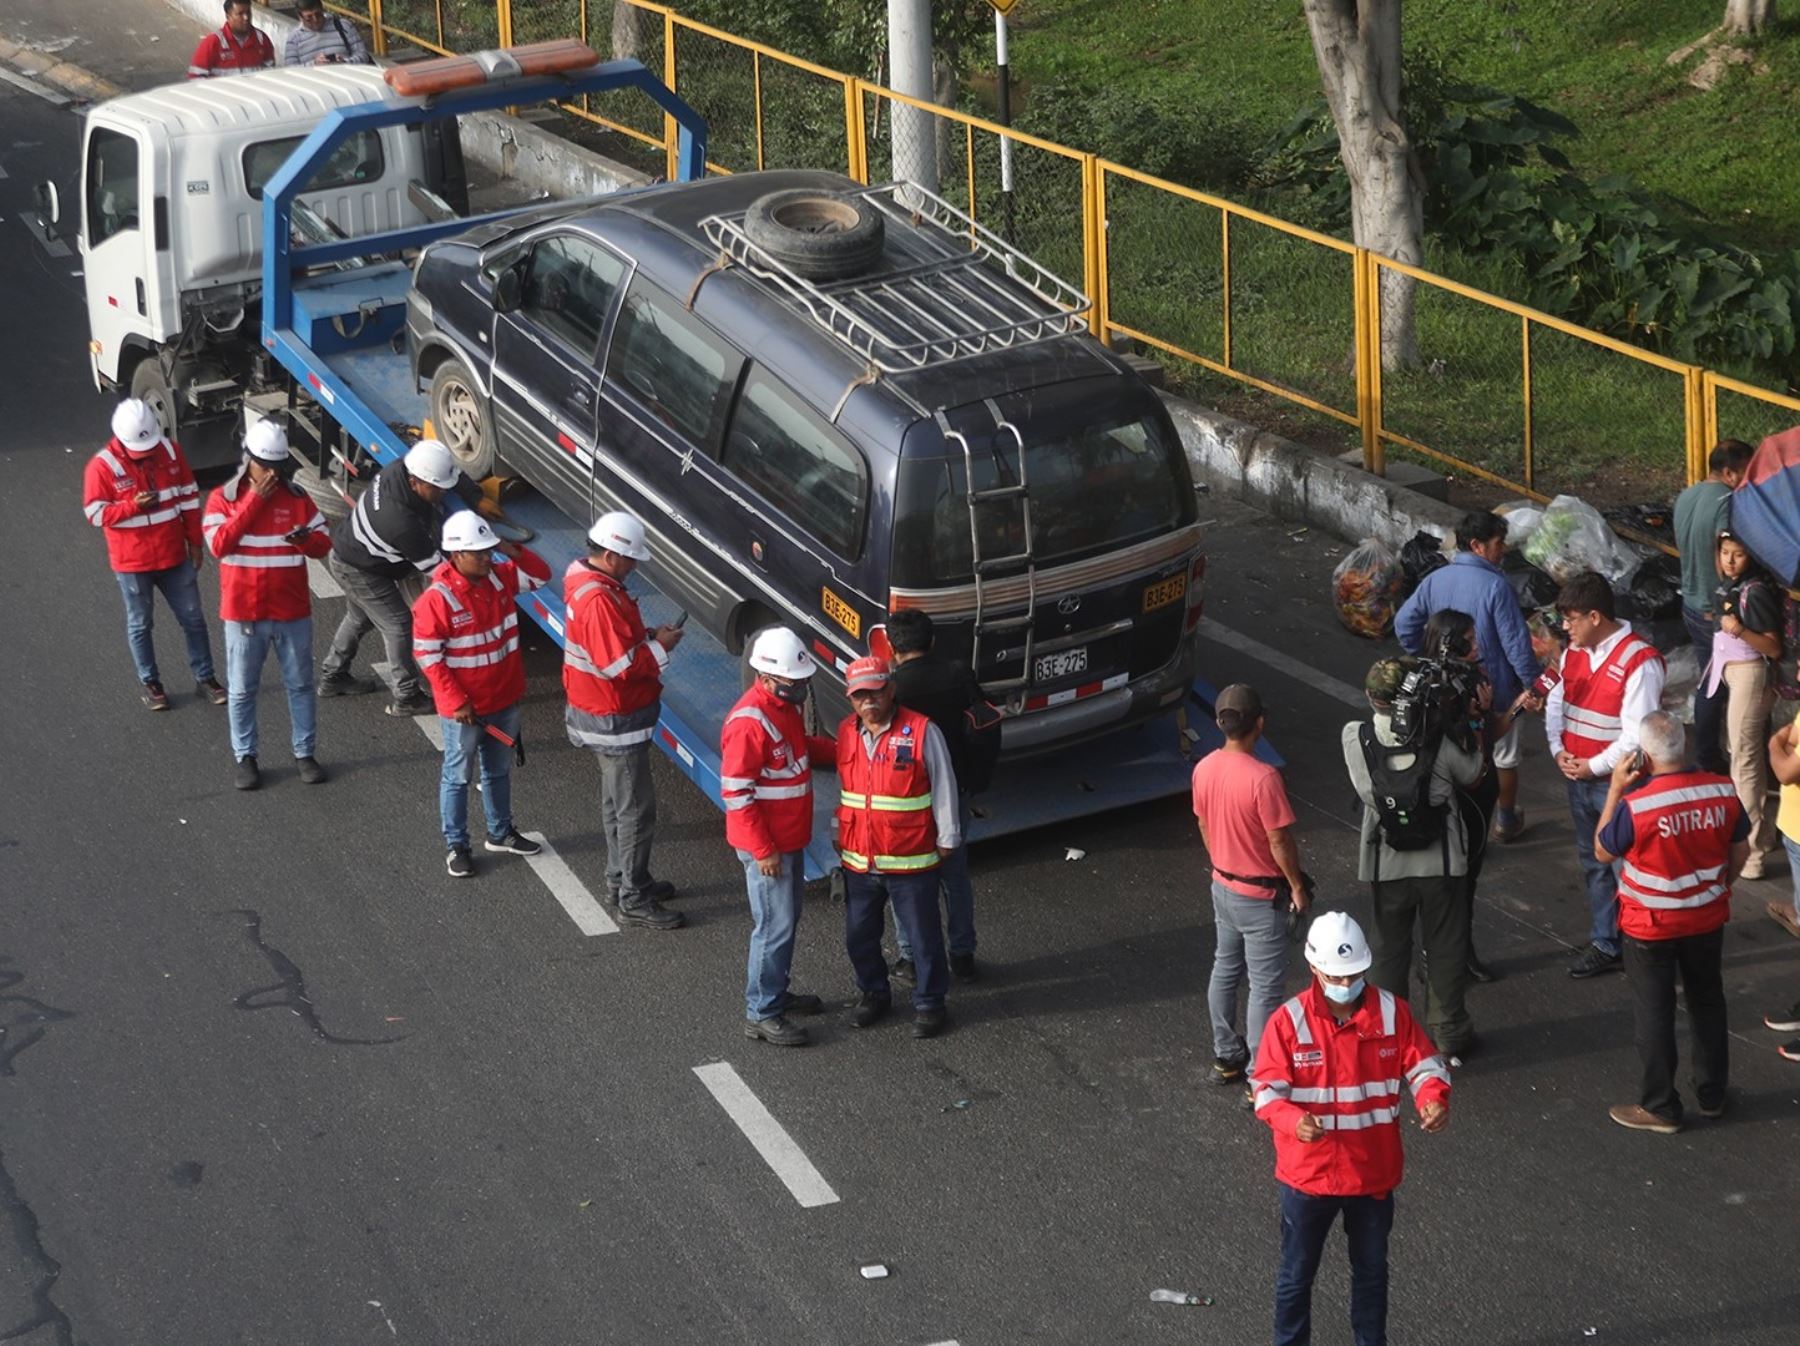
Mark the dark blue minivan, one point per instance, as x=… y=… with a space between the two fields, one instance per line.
x=828 y=402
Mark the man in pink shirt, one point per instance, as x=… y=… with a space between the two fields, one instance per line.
x=1245 y=817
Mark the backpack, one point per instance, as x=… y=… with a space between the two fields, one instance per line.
x=1409 y=821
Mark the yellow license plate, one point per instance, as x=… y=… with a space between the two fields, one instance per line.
x=1164 y=592
x=842 y=613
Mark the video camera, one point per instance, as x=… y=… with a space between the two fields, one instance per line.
x=1436 y=697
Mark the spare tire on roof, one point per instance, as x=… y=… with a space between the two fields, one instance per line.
x=817 y=235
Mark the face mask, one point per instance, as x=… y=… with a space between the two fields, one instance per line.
x=1342 y=995
x=790 y=691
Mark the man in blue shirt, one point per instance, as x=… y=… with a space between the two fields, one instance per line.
x=1473 y=583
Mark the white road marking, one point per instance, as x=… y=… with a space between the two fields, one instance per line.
x=589 y=916
x=323 y=585
x=767 y=1135
x=30 y=85
x=1281 y=663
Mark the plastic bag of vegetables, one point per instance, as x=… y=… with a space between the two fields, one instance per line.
x=1368 y=586
x=1572 y=537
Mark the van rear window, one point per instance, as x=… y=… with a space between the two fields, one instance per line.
x=358 y=159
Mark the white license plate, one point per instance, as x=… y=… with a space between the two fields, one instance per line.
x=1062 y=664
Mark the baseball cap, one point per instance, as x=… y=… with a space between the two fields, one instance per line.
x=1242 y=698
x=866 y=674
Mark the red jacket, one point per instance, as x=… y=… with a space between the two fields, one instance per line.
x=466 y=634
x=1594 y=698
x=262 y=576
x=1675 y=879
x=884 y=815
x=158 y=536
x=610 y=667
x=1348 y=1077
x=221 y=53
x=765 y=774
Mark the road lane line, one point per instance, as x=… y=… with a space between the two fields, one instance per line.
x=589 y=916
x=767 y=1135
x=1281 y=663
x=31 y=86
x=321 y=580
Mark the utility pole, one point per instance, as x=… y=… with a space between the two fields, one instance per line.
x=913 y=131
x=1003 y=92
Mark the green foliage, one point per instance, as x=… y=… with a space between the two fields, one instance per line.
x=847 y=35
x=1165 y=133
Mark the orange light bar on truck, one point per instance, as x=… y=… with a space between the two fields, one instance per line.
x=490 y=67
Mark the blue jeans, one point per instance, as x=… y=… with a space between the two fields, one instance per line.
x=1586 y=800
x=1305 y=1223
x=774 y=921
x=181 y=591
x=247 y=644
x=1792 y=848
x=915 y=899
x=959 y=898
x=1709 y=711
x=461 y=743
x=1251 y=937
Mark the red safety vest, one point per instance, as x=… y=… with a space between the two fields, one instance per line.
x=884 y=808
x=765 y=775
x=262 y=576
x=1594 y=698
x=220 y=53
x=1676 y=879
x=157 y=536
x=1348 y=1077
x=608 y=665
x=466 y=634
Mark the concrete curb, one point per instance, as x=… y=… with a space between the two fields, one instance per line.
x=64 y=75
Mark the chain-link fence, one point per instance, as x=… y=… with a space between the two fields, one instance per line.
x=1738 y=410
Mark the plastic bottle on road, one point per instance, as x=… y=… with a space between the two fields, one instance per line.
x=1178 y=1297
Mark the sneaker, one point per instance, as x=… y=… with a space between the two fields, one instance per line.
x=962 y=967
x=516 y=842
x=344 y=684
x=1228 y=1071
x=1636 y=1118
x=1595 y=962
x=247 y=777
x=650 y=915
x=871 y=1008
x=1790 y=1050
x=929 y=1023
x=411 y=707
x=154 y=696
x=798 y=1002
x=777 y=1031
x=1508 y=827
x=310 y=770
x=1784 y=1021
x=1712 y=1114
x=902 y=970
x=210 y=690
x=457 y=864
x=1480 y=971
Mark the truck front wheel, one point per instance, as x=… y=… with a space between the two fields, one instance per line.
x=150 y=387
x=460 y=421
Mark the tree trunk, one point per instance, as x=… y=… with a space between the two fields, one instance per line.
x=1357 y=43
x=1747 y=18
x=626 y=37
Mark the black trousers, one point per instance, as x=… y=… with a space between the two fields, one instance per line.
x=1652 y=966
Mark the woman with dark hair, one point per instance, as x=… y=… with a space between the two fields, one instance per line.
x=1451 y=634
x=1746 y=639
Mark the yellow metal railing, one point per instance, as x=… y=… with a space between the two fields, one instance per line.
x=1504 y=393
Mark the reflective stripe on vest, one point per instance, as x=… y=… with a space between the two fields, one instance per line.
x=860 y=863
x=885 y=803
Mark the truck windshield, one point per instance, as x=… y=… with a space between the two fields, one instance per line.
x=358 y=159
x=1098 y=480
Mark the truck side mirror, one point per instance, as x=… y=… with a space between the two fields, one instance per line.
x=508 y=290
x=50 y=221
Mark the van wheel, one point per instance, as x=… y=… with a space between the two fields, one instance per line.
x=810 y=713
x=460 y=420
x=150 y=387
x=817 y=235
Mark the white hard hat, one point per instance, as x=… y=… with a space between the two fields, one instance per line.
x=779 y=651
x=432 y=464
x=1335 y=945
x=466 y=530
x=267 y=442
x=620 y=532
x=135 y=426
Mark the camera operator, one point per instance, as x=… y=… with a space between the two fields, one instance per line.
x=1406 y=764
x=323 y=39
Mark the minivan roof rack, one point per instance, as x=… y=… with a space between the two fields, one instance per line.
x=948 y=288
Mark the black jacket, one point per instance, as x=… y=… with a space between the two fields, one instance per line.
x=942 y=691
x=393 y=532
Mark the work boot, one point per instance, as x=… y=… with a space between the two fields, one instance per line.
x=652 y=915
x=1226 y=1071
x=776 y=1031
x=210 y=690
x=154 y=697
x=929 y=1023
x=871 y=1008
x=248 y=777
x=962 y=967
x=345 y=684
x=1595 y=962
x=902 y=970
x=310 y=770
x=406 y=708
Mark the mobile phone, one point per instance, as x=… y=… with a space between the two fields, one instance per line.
x=680 y=619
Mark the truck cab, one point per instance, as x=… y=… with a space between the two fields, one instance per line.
x=169 y=222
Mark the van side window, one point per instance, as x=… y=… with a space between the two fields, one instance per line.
x=358 y=159
x=796 y=460
x=673 y=364
x=112 y=185
x=569 y=288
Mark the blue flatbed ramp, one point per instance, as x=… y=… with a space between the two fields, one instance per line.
x=1130 y=766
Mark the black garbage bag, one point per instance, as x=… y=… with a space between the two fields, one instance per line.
x=1655 y=589
x=1535 y=588
x=1419 y=557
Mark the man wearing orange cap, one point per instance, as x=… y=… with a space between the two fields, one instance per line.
x=897 y=819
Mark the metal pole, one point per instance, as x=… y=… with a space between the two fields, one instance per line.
x=912 y=130
x=1004 y=93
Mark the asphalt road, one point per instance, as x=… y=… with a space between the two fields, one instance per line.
x=267 y=1076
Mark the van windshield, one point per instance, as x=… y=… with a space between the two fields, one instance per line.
x=1100 y=478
